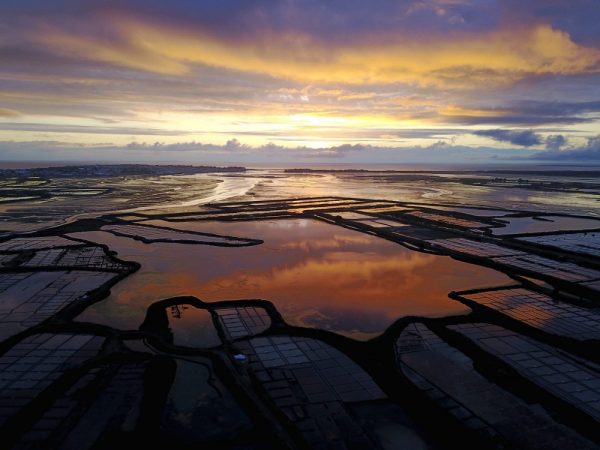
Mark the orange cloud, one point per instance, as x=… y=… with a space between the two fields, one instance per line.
x=464 y=58
x=9 y=113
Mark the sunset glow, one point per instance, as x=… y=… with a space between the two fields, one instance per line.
x=80 y=79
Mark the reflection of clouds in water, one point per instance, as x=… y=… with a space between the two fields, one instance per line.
x=346 y=271
x=335 y=241
x=351 y=322
x=343 y=270
x=437 y=193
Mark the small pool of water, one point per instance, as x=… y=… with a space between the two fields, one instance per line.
x=316 y=274
x=197 y=413
x=192 y=327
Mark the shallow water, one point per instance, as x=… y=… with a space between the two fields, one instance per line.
x=474 y=211
x=443 y=190
x=196 y=412
x=317 y=275
x=549 y=224
x=192 y=327
x=173 y=193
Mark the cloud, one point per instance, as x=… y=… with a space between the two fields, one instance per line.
x=52 y=128
x=529 y=112
x=9 y=113
x=555 y=141
x=525 y=138
x=299 y=71
x=236 y=152
x=464 y=58
x=236 y=148
x=588 y=152
x=579 y=17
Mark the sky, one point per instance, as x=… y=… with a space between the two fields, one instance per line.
x=337 y=81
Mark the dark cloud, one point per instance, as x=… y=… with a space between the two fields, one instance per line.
x=517 y=119
x=588 y=152
x=343 y=20
x=340 y=19
x=555 y=141
x=50 y=128
x=579 y=18
x=524 y=138
x=556 y=108
x=234 y=151
x=531 y=112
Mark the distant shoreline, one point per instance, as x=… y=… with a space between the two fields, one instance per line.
x=73 y=170
x=113 y=170
x=557 y=173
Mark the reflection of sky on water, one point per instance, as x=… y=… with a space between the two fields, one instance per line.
x=195 y=411
x=518 y=225
x=192 y=327
x=169 y=193
x=381 y=187
x=474 y=211
x=316 y=274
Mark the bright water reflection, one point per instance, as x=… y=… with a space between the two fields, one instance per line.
x=318 y=275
